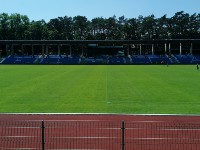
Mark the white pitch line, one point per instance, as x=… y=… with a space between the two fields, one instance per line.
x=158 y=129
x=108 y=102
x=86 y=137
x=103 y=138
x=164 y=139
x=19 y=148
x=21 y=127
x=19 y=136
x=77 y=149
x=117 y=114
x=75 y=120
x=27 y=121
x=181 y=129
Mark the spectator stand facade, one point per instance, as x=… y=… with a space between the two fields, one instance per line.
x=175 y=51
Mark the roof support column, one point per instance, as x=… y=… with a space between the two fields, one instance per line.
x=7 y=50
x=70 y=50
x=128 y=50
x=32 y=50
x=180 y=48
x=82 y=49
x=58 y=49
x=43 y=46
x=170 y=49
x=165 y=48
x=12 y=49
x=152 y=49
x=140 y=49
x=22 y=49
x=191 y=48
x=47 y=50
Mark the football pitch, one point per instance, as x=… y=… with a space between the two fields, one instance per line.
x=134 y=89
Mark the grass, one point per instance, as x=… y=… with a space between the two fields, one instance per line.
x=100 y=89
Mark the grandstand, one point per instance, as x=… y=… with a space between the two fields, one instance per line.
x=100 y=52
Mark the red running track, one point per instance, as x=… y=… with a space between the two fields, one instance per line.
x=87 y=131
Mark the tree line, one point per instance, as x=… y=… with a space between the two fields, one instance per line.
x=180 y=26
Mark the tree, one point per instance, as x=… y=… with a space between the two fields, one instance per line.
x=162 y=31
x=180 y=23
x=19 y=27
x=38 y=30
x=67 y=24
x=80 y=27
x=194 y=26
x=111 y=28
x=4 y=26
x=149 y=27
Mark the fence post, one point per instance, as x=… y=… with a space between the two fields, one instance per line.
x=123 y=134
x=43 y=141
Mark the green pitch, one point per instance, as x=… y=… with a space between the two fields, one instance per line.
x=100 y=89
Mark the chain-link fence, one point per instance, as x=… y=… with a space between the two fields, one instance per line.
x=106 y=135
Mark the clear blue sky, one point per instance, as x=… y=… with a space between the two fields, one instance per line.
x=49 y=9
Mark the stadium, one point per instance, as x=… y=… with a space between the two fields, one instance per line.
x=100 y=94
x=99 y=75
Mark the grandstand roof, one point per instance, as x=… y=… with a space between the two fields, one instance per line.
x=83 y=42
